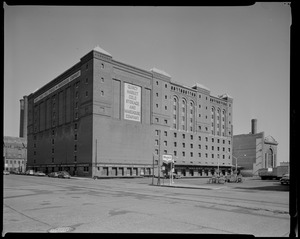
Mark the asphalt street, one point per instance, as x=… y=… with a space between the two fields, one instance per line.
x=84 y=205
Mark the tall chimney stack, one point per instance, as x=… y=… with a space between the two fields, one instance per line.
x=253 y=126
x=23 y=117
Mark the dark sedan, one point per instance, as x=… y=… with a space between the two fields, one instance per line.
x=63 y=174
x=53 y=175
x=285 y=179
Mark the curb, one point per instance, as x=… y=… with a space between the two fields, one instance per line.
x=192 y=187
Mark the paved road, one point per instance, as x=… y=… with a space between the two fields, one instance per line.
x=42 y=204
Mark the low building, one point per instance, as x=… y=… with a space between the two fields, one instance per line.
x=14 y=153
x=254 y=151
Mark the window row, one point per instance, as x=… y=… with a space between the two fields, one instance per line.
x=175 y=134
x=206 y=155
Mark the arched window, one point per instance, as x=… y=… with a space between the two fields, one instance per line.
x=218 y=121
x=213 y=118
x=192 y=116
x=269 y=159
x=175 y=112
x=223 y=122
x=183 y=115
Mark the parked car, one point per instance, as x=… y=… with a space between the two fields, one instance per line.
x=53 y=175
x=63 y=174
x=285 y=179
x=39 y=173
x=29 y=172
x=5 y=172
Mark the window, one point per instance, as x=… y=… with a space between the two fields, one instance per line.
x=156 y=94
x=191 y=137
x=212 y=140
x=102 y=79
x=156 y=151
x=183 y=145
x=102 y=65
x=199 y=137
x=165 y=151
x=192 y=154
x=175 y=135
x=86 y=80
x=175 y=153
x=156 y=132
x=199 y=146
x=52 y=160
x=212 y=147
x=166 y=133
x=199 y=155
x=75 y=126
x=166 y=107
x=75 y=158
x=191 y=146
x=183 y=136
x=53 y=150
x=75 y=136
x=52 y=133
x=76 y=94
x=166 y=86
x=85 y=169
x=183 y=154
x=156 y=120
x=212 y=155
x=75 y=147
x=156 y=142
x=52 y=141
x=76 y=105
x=156 y=105
x=206 y=147
x=166 y=97
x=175 y=144
x=102 y=93
x=166 y=121
x=76 y=115
x=86 y=66
x=156 y=82
x=206 y=139
x=165 y=143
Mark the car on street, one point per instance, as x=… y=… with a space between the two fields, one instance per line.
x=64 y=174
x=29 y=172
x=285 y=179
x=5 y=172
x=39 y=173
x=53 y=175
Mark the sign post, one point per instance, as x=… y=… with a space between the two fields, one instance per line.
x=168 y=159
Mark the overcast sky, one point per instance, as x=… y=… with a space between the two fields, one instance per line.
x=241 y=51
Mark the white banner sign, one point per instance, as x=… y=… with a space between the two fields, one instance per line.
x=167 y=158
x=132 y=102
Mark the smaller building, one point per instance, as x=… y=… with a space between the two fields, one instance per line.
x=254 y=151
x=14 y=153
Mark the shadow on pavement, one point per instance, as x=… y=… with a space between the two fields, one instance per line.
x=284 y=188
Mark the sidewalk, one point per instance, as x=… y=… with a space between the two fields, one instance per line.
x=192 y=186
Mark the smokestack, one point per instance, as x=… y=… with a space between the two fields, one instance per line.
x=253 y=126
x=23 y=117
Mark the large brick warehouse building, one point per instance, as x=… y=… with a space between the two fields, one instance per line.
x=102 y=117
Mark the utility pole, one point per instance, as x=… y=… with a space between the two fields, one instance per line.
x=158 y=179
x=152 y=168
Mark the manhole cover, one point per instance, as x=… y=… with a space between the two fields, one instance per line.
x=61 y=229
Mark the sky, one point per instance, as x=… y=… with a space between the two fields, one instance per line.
x=241 y=51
